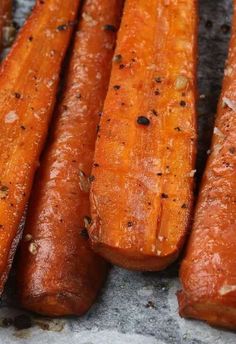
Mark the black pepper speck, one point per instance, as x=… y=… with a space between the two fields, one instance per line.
x=142 y=120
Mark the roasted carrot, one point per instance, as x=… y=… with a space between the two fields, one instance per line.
x=6 y=28
x=141 y=195
x=58 y=273
x=28 y=86
x=208 y=270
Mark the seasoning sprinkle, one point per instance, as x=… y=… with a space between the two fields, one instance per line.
x=109 y=27
x=84 y=233
x=32 y=248
x=87 y=221
x=84 y=182
x=164 y=195
x=192 y=173
x=3 y=191
x=158 y=80
x=91 y=179
x=117 y=58
x=142 y=120
x=181 y=82
x=28 y=237
x=177 y=129
x=116 y=87
x=62 y=27
x=154 y=112
x=182 y=103
x=17 y=95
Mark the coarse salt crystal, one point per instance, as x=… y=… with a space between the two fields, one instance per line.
x=228 y=71
x=11 y=117
x=181 y=82
x=230 y=103
x=225 y=289
x=33 y=248
x=98 y=76
x=192 y=173
x=218 y=132
x=152 y=67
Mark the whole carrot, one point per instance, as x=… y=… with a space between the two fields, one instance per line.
x=28 y=86
x=208 y=270
x=58 y=273
x=142 y=188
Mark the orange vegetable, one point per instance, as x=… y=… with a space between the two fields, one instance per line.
x=63 y=275
x=208 y=270
x=6 y=28
x=142 y=192
x=28 y=86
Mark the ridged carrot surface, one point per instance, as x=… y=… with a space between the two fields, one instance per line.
x=58 y=272
x=28 y=86
x=208 y=270
x=142 y=188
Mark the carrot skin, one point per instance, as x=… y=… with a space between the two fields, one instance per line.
x=141 y=196
x=28 y=85
x=65 y=275
x=208 y=270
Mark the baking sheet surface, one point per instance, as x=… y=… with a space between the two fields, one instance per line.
x=141 y=308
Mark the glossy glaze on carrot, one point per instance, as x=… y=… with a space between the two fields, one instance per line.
x=28 y=85
x=141 y=196
x=208 y=270
x=63 y=275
